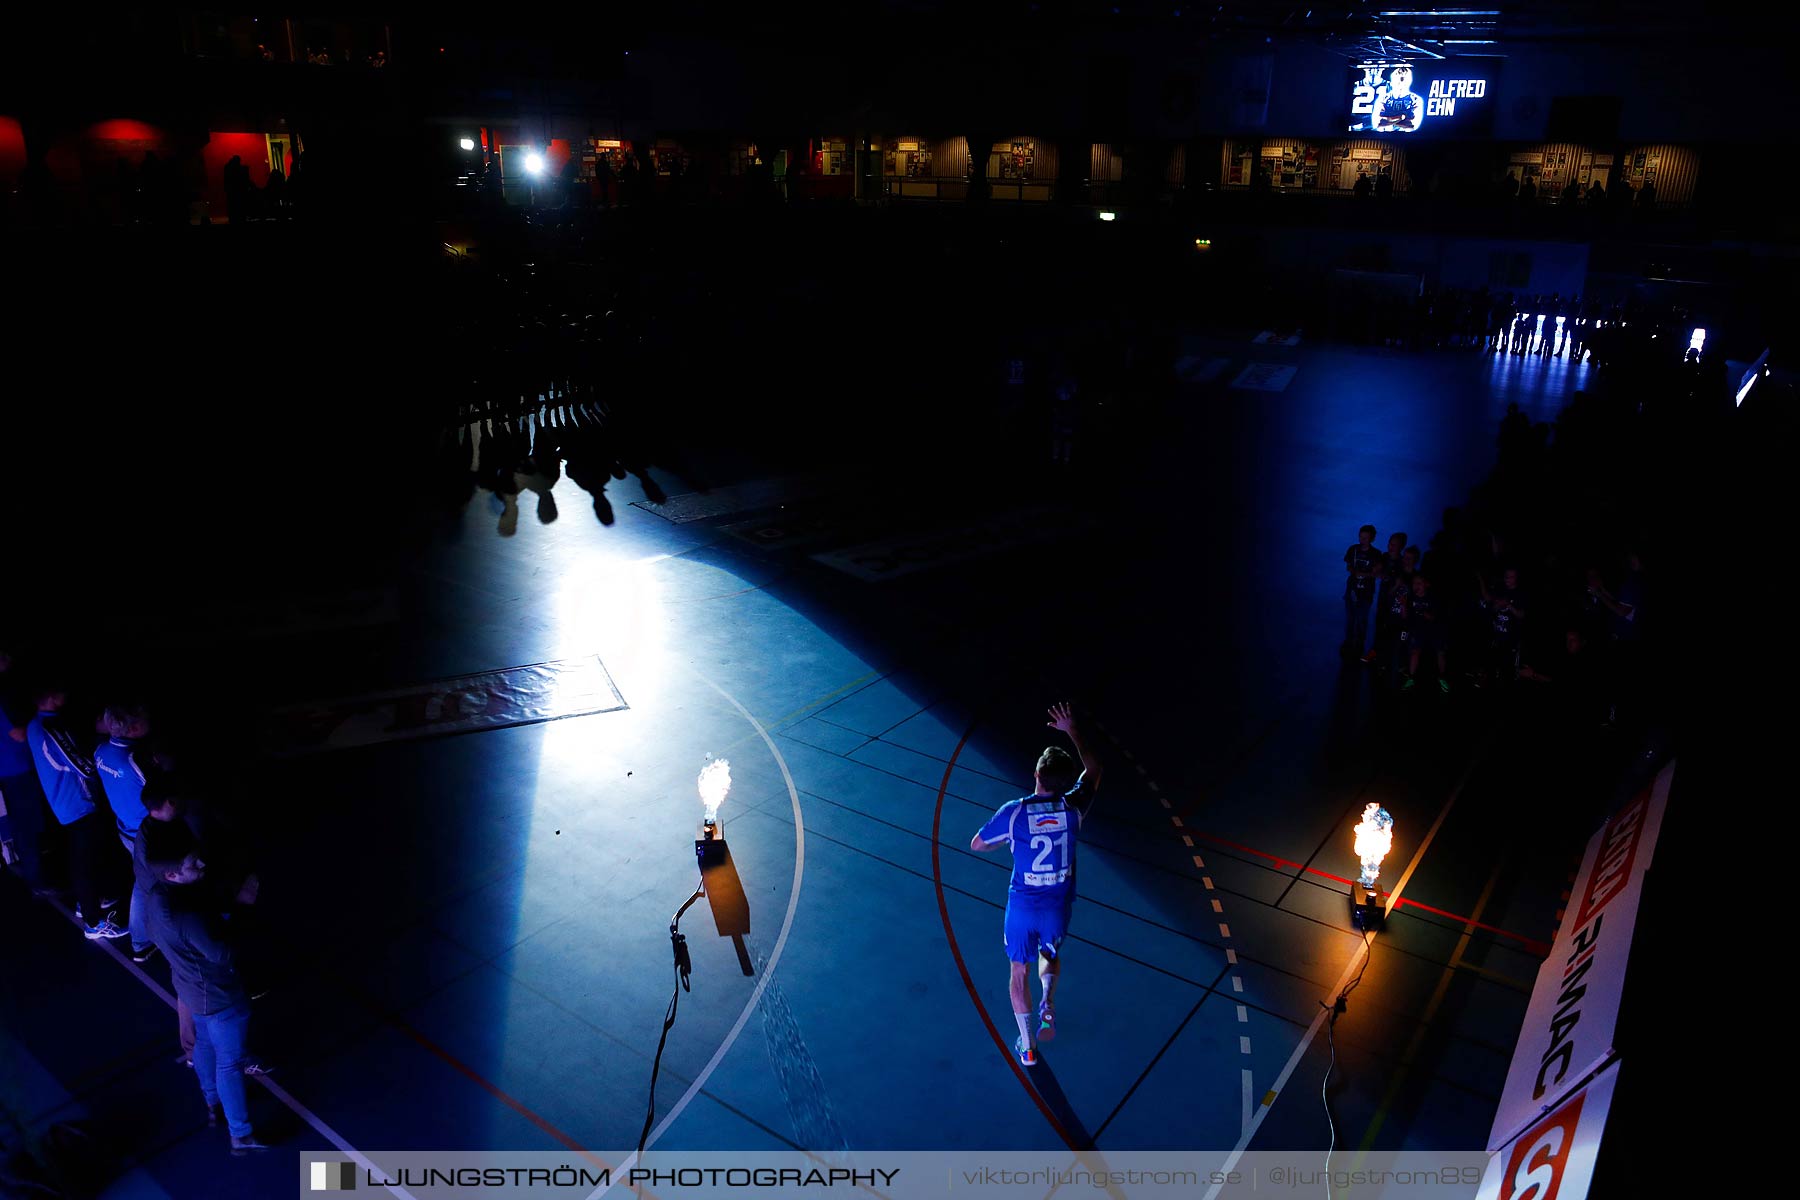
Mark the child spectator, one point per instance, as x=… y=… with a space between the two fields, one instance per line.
x=1391 y=642
x=1506 y=620
x=1426 y=633
x=1361 y=562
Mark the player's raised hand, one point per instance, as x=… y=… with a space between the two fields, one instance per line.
x=1062 y=717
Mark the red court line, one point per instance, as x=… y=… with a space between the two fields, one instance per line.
x=381 y=1013
x=937 y=882
x=1541 y=949
x=496 y=1091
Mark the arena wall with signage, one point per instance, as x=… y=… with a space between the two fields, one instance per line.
x=1570 y=1025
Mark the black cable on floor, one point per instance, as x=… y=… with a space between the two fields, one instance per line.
x=1337 y=1009
x=681 y=985
x=683 y=968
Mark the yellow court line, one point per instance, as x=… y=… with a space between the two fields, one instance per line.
x=1437 y=998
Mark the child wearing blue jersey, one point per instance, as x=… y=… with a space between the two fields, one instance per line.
x=1042 y=829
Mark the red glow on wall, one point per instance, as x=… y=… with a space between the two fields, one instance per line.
x=12 y=149
x=556 y=157
x=148 y=136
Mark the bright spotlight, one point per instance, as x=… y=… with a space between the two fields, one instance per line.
x=467 y=143
x=1697 y=342
x=1109 y=216
x=534 y=163
x=1374 y=838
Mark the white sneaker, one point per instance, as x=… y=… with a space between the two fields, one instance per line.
x=1027 y=1054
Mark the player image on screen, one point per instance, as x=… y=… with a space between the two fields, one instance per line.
x=1398 y=109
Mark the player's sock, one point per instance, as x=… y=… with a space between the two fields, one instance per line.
x=1027 y=1027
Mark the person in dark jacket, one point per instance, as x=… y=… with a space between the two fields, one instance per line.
x=161 y=806
x=203 y=967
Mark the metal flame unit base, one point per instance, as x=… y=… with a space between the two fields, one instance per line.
x=724 y=890
x=1365 y=908
x=709 y=844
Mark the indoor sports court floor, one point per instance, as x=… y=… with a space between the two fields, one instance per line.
x=469 y=934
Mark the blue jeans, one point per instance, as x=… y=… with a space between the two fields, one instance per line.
x=140 y=907
x=219 y=1056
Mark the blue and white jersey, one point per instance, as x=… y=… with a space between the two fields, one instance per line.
x=1041 y=831
x=63 y=769
x=123 y=781
x=1399 y=112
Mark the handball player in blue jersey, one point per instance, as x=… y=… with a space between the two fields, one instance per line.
x=1041 y=829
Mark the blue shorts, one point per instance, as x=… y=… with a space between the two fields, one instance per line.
x=1035 y=927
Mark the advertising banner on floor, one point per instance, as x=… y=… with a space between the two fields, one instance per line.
x=1554 y=1158
x=573 y=687
x=1574 y=1010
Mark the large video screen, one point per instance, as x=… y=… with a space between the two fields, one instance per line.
x=1435 y=99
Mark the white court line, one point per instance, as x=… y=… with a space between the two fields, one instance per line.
x=1246 y=1103
x=274 y=1089
x=1293 y=1061
x=1231 y=956
x=1237 y=983
x=1207 y=880
x=1199 y=862
x=1224 y=930
x=1312 y=1030
x=623 y=1170
x=1187 y=840
x=1217 y=907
